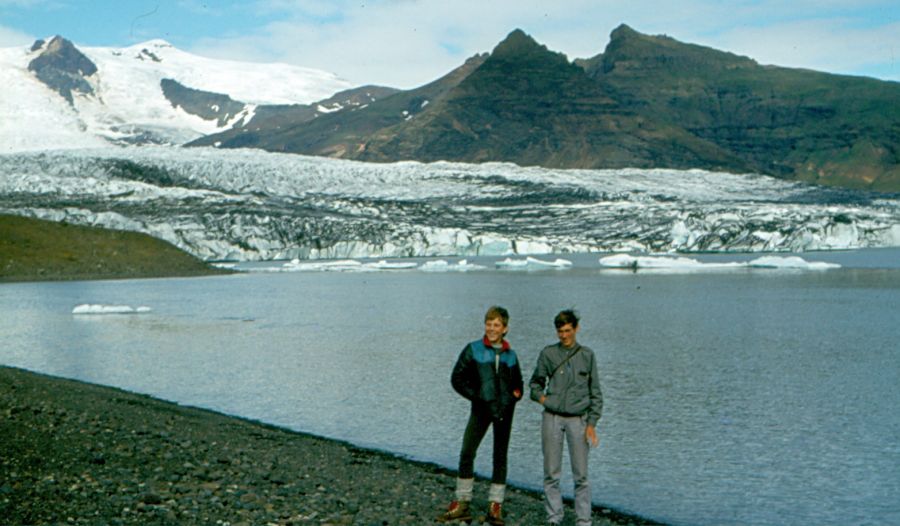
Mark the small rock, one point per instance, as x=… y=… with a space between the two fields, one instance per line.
x=151 y=498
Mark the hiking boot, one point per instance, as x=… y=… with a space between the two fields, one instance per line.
x=458 y=510
x=495 y=514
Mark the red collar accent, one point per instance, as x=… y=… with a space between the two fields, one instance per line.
x=487 y=343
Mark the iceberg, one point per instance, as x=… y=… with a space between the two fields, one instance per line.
x=296 y=265
x=683 y=264
x=625 y=261
x=341 y=265
x=391 y=265
x=533 y=263
x=88 y=308
x=790 y=262
x=440 y=265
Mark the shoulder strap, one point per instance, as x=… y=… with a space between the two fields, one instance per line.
x=569 y=357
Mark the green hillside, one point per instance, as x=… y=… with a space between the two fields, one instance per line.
x=38 y=250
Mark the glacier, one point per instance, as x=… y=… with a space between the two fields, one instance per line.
x=248 y=205
x=127 y=103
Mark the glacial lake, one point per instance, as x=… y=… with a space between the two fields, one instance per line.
x=751 y=396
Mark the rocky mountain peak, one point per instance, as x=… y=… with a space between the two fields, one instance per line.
x=630 y=51
x=63 y=68
x=518 y=43
x=624 y=31
x=520 y=55
x=64 y=55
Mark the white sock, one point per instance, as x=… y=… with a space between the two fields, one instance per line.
x=464 y=489
x=496 y=493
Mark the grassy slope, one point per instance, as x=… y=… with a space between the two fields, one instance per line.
x=37 y=250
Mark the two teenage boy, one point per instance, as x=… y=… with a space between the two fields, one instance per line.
x=565 y=382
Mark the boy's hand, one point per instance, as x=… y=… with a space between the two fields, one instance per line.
x=517 y=394
x=590 y=434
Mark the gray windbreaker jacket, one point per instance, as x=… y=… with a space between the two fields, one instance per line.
x=575 y=388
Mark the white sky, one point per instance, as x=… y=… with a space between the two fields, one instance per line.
x=406 y=43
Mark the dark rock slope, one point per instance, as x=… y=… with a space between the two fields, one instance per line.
x=62 y=67
x=646 y=101
x=204 y=104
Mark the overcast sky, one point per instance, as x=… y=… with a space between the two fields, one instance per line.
x=406 y=43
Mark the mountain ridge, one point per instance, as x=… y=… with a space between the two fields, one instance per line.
x=646 y=102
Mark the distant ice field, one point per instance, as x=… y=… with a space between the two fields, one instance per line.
x=247 y=205
x=126 y=102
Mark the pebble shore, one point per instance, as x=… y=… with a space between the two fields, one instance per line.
x=77 y=453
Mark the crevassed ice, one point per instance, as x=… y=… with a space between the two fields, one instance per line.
x=249 y=205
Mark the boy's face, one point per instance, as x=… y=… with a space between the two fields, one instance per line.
x=494 y=329
x=566 y=335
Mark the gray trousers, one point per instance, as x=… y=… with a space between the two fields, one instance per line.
x=554 y=429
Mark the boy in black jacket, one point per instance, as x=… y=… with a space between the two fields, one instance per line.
x=487 y=374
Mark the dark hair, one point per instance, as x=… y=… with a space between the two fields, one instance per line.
x=497 y=312
x=566 y=317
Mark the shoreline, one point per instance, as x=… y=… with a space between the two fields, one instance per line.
x=79 y=453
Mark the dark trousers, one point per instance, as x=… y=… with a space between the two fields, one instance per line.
x=479 y=420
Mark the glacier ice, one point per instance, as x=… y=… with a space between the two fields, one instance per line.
x=247 y=205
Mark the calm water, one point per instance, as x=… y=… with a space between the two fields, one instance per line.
x=742 y=397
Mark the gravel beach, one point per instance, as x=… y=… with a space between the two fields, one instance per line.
x=77 y=453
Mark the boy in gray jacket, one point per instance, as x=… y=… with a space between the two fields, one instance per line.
x=566 y=383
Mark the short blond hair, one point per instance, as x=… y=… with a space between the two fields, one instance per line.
x=495 y=312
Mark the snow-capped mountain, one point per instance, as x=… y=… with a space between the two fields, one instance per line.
x=56 y=95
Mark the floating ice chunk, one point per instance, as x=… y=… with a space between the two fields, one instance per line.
x=440 y=265
x=340 y=265
x=532 y=263
x=87 y=308
x=660 y=262
x=391 y=265
x=511 y=263
x=682 y=264
x=792 y=262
